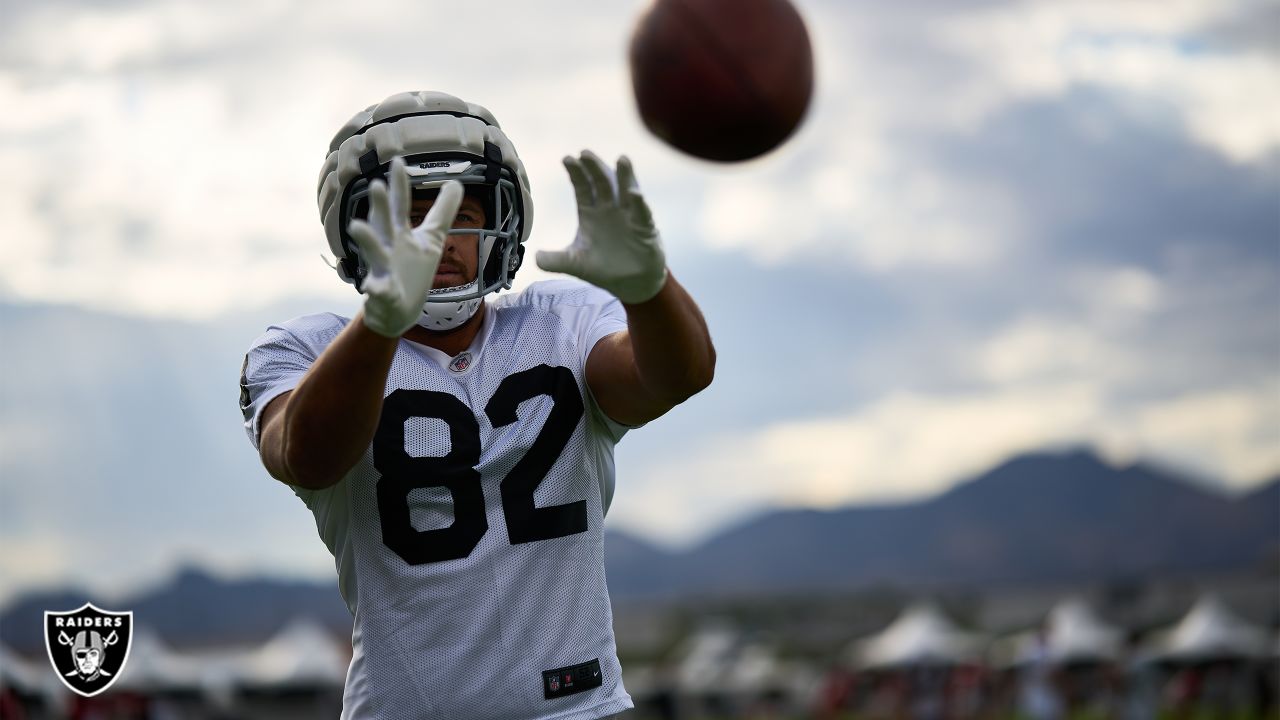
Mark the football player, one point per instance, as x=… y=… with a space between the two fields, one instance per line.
x=455 y=447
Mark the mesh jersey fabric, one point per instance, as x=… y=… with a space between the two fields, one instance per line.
x=470 y=635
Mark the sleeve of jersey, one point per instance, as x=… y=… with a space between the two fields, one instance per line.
x=594 y=314
x=276 y=362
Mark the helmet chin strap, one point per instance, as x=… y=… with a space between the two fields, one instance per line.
x=440 y=316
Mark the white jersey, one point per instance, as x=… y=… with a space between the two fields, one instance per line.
x=469 y=538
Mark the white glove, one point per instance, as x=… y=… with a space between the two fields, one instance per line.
x=617 y=247
x=402 y=260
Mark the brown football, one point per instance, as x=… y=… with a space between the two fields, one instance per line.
x=723 y=80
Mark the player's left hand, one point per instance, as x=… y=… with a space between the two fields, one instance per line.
x=617 y=246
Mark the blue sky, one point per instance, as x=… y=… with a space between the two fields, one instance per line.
x=1003 y=226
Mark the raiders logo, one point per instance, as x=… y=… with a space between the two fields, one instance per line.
x=88 y=647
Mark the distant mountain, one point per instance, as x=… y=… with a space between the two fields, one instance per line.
x=1044 y=518
x=193 y=609
x=1266 y=495
x=635 y=563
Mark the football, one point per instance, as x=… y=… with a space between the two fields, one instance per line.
x=722 y=80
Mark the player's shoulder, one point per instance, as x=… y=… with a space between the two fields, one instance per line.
x=308 y=330
x=315 y=322
x=550 y=294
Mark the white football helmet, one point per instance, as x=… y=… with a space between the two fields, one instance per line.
x=441 y=138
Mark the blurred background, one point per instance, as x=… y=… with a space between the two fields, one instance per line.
x=995 y=430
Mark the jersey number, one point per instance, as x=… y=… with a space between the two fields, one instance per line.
x=402 y=473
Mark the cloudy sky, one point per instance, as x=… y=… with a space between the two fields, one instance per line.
x=1004 y=226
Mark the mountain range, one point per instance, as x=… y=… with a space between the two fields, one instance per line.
x=1035 y=519
x=1058 y=518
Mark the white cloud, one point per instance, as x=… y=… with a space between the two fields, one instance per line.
x=870 y=212
x=860 y=190
x=903 y=446
x=32 y=560
x=1093 y=335
x=154 y=210
x=1228 y=100
x=205 y=125
x=1034 y=348
x=1231 y=433
x=169 y=166
x=1115 y=298
x=211 y=161
x=910 y=445
x=1092 y=371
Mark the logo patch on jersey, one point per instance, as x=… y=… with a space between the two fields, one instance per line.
x=88 y=647
x=245 y=401
x=461 y=362
x=570 y=680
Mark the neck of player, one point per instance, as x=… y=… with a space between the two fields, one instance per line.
x=450 y=342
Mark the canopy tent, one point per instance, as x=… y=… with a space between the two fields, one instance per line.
x=1072 y=634
x=1209 y=631
x=22 y=675
x=723 y=671
x=1077 y=634
x=707 y=657
x=756 y=666
x=34 y=680
x=922 y=635
x=302 y=655
x=154 y=668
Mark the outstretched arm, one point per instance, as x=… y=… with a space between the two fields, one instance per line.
x=665 y=355
x=663 y=358
x=314 y=434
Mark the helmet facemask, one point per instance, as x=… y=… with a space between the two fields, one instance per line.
x=499 y=252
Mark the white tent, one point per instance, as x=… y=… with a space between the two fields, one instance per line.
x=756 y=666
x=707 y=657
x=759 y=668
x=34 y=678
x=1209 y=631
x=16 y=672
x=922 y=635
x=1076 y=634
x=718 y=660
x=1073 y=634
x=154 y=668
x=302 y=654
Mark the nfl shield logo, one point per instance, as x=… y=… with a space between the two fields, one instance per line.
x=554 y=682
x=88 y=647
x=461 y=363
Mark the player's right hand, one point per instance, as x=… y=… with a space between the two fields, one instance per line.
x=401 y=259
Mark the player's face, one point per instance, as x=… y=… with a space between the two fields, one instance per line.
x=460 y=260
